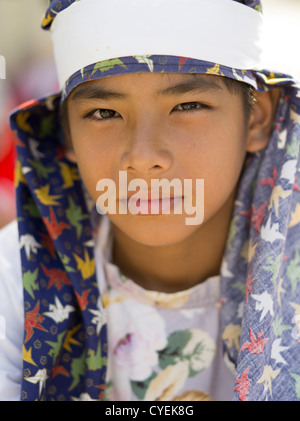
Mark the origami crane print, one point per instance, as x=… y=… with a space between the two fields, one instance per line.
x=268 y=375
x=256 y=345
x=40 y=377
x=57 y=277
x=43 y=194
x=276 y=351
x=33 y=320
x=55 y=228
x=30 y=244
x=264 y=303
x=278 y=193
x=58 y=312
x=243 y=385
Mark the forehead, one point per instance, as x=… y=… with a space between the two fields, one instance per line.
x=155 y=83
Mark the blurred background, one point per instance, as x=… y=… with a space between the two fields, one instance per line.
x=30 y=69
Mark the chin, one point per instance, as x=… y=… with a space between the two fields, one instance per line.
x=157 y=232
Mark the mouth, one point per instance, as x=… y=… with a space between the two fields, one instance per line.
x=151 y=207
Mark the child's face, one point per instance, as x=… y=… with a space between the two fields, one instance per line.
x=160 y=126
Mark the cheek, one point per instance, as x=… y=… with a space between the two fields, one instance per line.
x=217 y=158
x=215 y=152
x=94 y=161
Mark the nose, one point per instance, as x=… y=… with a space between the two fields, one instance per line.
x=147 y=152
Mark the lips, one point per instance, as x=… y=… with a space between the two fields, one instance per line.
x=145 y=195
x=152 y=206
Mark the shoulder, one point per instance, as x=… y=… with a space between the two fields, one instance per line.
x=11 y=313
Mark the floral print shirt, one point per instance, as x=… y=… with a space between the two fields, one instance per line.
x=161 y=346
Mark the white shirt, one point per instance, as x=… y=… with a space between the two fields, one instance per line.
x=11 y=314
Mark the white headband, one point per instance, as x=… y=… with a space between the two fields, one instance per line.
x=219 y=31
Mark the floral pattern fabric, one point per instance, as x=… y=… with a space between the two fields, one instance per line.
x=65 y=335
x=181 y=358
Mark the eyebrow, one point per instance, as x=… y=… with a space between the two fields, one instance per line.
x=198 y=84
x=89 y=91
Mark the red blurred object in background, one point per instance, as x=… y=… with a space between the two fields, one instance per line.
x=7 y=165
x=7 y=154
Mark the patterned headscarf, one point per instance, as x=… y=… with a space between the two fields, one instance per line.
x=65 y=341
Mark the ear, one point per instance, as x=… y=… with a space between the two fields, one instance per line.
x=70 y=154
x=261 y=120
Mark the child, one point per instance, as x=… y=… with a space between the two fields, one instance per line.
x=142 y=305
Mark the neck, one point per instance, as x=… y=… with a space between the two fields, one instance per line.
x=178 y=266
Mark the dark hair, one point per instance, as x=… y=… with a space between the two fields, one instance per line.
x=246 y=91
x=64 y=117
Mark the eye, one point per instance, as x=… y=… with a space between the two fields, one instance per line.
x=102 y=114
x=191 y=106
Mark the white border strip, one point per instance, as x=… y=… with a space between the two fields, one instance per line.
x=220 y=31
